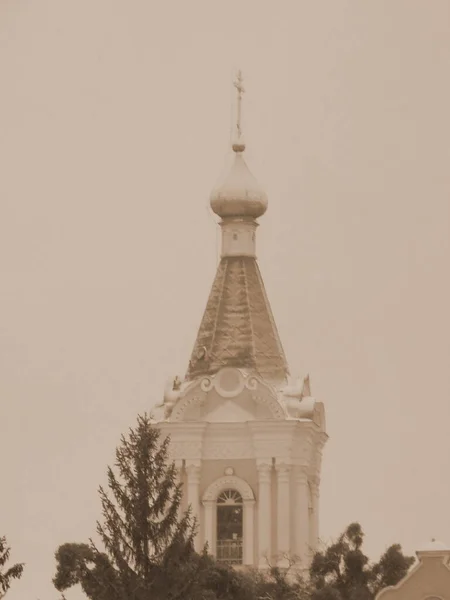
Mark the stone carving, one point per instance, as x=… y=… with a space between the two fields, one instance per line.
x=229 y=382
x=206 y=384
x=319 y=415
x=187 y=449
x=228 y=482
x=185 y=404
x=298 y=400
x=171 y=396
x=305 y=408
x=282 y=467
x=306 y=390
x=193 y=472
x=301 y=475
x=283 y=472
x=272 y=404
x=314 y=484
x=251 y=383
x=276 y=448
x=276 y=409
x=202 y=353
x=264 y=472
x=263 y=467
x=228 y=449
x=295 y=390
x=217 y=381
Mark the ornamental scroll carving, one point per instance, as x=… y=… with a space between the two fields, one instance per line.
x=207 y=384
x=229 y=382
x=251 y=383
x=275 y=408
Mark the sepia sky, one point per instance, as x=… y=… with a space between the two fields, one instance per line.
x=114 y=126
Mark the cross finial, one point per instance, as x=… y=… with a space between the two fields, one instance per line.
x=238 y=146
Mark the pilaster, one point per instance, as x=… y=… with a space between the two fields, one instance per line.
x=193 y=494
x=301 y=514
x=314 y=517
x=264 y=512
x=283 y=471
x=209 y=515
x=249 y=536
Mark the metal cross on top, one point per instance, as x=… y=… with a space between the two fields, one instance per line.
x=240 y=90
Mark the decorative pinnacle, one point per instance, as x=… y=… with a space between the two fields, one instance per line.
x=238 y=145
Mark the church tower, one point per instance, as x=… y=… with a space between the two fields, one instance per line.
x=246 y=441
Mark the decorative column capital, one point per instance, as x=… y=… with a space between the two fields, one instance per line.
x=301 y=476
x=264 y=472
x=193 y=472
x=208 y=503
x=283 y=467
x=315 y=484
x=283 y=470
x=178 y=464
x=192 y=466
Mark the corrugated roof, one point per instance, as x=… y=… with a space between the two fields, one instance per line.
x=238 y=329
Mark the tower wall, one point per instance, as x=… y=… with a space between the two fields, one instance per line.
x=238 y=237
x=274 y=458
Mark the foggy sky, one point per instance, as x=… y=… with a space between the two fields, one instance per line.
x=114 y=127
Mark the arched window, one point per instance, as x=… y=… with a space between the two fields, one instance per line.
x=229 y=527
x=228 y=519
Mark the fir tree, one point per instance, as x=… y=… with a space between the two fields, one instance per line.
x=14 y=572
x=148 y=547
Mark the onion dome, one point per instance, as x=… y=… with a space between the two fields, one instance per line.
x=239 y=195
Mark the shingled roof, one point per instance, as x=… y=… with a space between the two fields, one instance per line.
x=238 y=328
